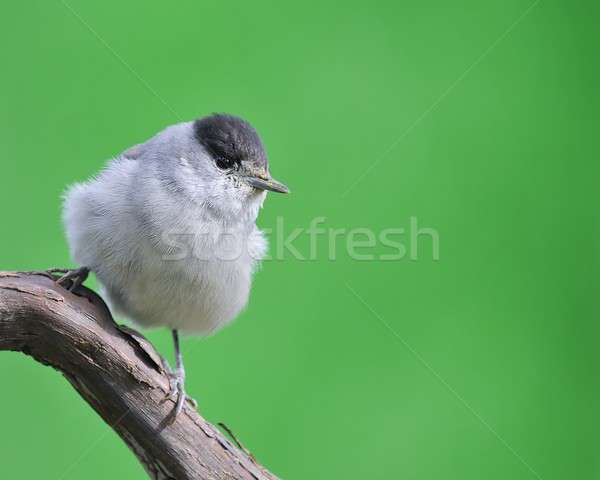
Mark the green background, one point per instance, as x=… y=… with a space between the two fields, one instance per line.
x=478 y=118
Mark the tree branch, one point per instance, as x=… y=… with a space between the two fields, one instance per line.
x=120 y=374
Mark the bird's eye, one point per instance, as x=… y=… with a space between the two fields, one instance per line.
x=223 y=163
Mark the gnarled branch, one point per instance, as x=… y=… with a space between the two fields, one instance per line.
x=120 y=374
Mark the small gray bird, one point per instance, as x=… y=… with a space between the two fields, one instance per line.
x=168 y=227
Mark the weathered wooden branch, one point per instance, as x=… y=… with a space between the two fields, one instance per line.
x=120 y=374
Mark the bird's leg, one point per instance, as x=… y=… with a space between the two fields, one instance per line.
x=180 y=374
x=177 y=380
x=173 y=378
x=76 y=276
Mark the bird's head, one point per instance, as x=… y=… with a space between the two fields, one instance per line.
x=236 y=151
x=217 y=161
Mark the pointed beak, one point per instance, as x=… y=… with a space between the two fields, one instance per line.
x=267 y=184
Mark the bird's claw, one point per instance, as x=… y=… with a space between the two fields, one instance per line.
x=76 y=277
x=71 y=279
x=49 y=273
x=177 y=393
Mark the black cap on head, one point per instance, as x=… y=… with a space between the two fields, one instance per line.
x=230 y=140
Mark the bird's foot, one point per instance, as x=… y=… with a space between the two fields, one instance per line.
x=177 y=393
x=48 y=273
x=71 y=279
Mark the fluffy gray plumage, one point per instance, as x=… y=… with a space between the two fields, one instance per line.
x=168 y=227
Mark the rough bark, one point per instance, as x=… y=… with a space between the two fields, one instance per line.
x=120 y=374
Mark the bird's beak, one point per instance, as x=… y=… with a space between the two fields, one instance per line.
x=267 y=184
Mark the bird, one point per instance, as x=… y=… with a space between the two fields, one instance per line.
x=168 y=227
